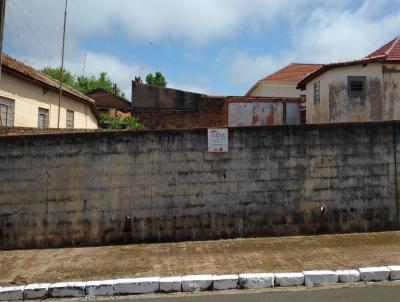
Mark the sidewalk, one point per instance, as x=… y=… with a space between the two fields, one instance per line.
x=211 y=257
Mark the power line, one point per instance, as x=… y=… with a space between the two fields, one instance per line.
x=44 y=48
x=51 y=35
x=11 y=14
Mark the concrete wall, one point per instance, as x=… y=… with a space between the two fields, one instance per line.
x=152 y=97
x=379 y=104
x=29 y=97
x=115 y=187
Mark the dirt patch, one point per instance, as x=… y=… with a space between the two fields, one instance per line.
x=211 y=257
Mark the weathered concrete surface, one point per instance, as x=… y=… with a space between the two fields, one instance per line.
x=358 y=294
x=67 y=289
x=11 y=293
x=136 y=286
x=36 y=291
x=258 y=280
x=99 y=288
x=152 y=186
x=312 y=278
x=381 y=273
x=348 y=276
x=194 y=283
x=289 y=279
x=170 y=284
x=224 y=282
x=394 y=272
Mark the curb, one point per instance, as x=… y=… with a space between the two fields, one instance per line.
x=195 y=283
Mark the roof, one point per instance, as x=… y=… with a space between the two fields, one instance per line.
x=293 y=73
x=388 y=53
x=105 y=99
x=18 y=68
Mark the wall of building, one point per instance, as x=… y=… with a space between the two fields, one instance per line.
x=29 y=97
x=210 y=113
x=151 y=186
x=337 y=106
x=276 y=89
x=225 y=112
x=391 y=88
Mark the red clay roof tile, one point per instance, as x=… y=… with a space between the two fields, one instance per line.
x=390 y=51
x=293 y=73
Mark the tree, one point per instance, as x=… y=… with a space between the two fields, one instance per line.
x=55 y=73
x=156 y=80
x=83 y=83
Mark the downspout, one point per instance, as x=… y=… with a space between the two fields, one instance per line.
x=395 y=172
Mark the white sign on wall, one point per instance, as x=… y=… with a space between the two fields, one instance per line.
x=217 y=140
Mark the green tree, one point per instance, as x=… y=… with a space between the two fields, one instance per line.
x=55 y=73
x=83 y=83
x=157 y=79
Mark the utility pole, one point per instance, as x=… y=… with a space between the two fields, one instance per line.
x=62 y=64
x=2 y=16
x=84 y=64
x=115 y=100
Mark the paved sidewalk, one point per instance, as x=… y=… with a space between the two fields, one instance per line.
x=209 y=257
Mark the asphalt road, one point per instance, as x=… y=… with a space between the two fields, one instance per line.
x=353 y=294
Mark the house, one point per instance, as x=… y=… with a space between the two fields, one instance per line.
x=107 y=103
x=283 y=83
x=356 y=91
x=28 y=98
x=166 y=108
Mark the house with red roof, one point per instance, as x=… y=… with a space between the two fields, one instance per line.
x=283 y=83
x=356 y=91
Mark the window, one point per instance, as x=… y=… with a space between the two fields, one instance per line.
x=356 y=86
x=317 y=92
x=43 y=118
x=6 y=112
x=70 y=119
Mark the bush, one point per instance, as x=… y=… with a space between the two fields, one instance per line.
x=110 y=122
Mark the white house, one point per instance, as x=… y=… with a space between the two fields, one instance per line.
x=356 y=91
x=28 y=98
x=283 y=83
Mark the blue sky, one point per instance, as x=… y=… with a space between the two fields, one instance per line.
x=212 y=46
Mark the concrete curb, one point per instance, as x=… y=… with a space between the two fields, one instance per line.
x=193 y=283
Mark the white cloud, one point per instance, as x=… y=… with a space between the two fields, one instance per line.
x=334 y=35
x=328 y=34
x=246 y=69
x=323 y=31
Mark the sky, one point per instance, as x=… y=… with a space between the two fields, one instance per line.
x=218 y=47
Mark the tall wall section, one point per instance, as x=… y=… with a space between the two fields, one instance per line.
x=151 y=186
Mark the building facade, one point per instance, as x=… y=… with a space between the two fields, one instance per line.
x=165 y=108
x=107 y=103
x=283 y=83
x=356 y=91
x=30 y=99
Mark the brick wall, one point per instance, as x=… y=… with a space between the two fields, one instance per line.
x=151 y=186
x=211 y=113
